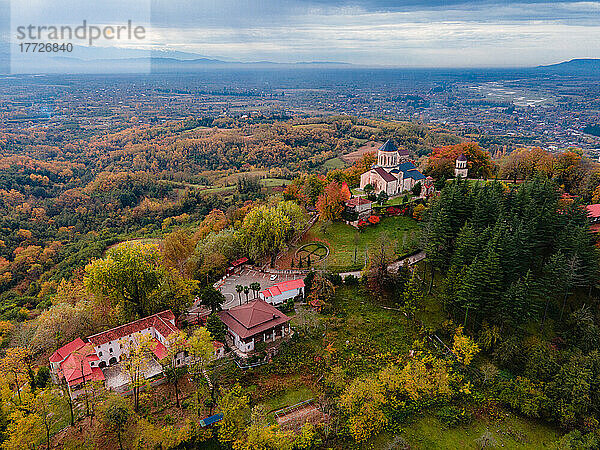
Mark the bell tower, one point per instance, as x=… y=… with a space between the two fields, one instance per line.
x=461 y=170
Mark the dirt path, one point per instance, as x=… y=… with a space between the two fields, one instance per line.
x=393 y=267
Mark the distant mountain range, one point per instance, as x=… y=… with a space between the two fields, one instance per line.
x=124 y=60
x=98 y=60
x=579 y=66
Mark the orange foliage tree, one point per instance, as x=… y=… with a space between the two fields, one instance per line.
x=331 y=202
x=440 y=163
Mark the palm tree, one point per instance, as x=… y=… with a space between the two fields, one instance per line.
x=239 y=289
x=246 y=291
x=255 y=287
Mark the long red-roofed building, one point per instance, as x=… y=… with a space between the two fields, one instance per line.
x=81 y=361
x=110 y=345
x=280 y=292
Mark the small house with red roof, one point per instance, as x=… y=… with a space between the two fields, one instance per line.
x=593 y=213
x=253 y=323
x=280 y=292
x=360 y=206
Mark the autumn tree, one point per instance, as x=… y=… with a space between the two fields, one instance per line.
x=441 y=162
x=234 y=405
x=202 y=353
x=134 y=362
x=64 y=322
x=47 y=404
x=321 y=291
x=172 y=365
x=117 y=413
x=463 y=347
x=24 y=431
x=178 y=247
x=330 y=203
x=128 y=277
x=266 y=230
x=14 y=366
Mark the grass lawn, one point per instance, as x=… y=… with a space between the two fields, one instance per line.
x=288 y=398
x=364 y=334
x=334 y=163
x=397 y=200
x=216 y=190
x=511 y=433
x=272 y=182
x=345 y=241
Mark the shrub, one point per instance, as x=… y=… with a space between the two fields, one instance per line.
x=351 y=280
x=42 y=377
x=335 y=278
x=453 y=416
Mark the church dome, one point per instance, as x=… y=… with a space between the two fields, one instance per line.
x=388 y=147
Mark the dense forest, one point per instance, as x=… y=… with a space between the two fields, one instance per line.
x=100 y=231
x=65 y=199
x=519 y=269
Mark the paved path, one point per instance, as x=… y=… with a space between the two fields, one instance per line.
x=393 y=267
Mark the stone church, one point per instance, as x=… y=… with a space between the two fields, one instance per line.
x=393 y=173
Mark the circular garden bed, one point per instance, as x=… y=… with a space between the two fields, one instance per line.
x=311 y=253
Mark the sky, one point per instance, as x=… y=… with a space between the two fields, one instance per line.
x=381 y=32
x=411 y=33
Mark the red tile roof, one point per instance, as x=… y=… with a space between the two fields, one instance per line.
x=77 y=361
x=593 y=210
x=595 y=228
x=284 y=286
x=66 y=350
x=239 y=262
x=358 y=201
x=160 y=321
x=159 y=350
x=252 y=318
x=388 y=177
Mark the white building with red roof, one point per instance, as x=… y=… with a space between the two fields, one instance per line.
x=252 y=323
x=593 y=212
x=76 y=363
x=110 y=346
x=280 y=292
x=361 y=206
x=94 y=359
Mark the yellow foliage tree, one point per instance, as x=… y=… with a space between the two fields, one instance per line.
x=464 y=348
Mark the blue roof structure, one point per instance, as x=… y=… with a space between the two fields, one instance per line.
x=388 y=147
x=211 y=420
x=414 y=174
x=406 y=166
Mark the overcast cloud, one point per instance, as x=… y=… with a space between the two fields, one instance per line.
x=450 y=33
